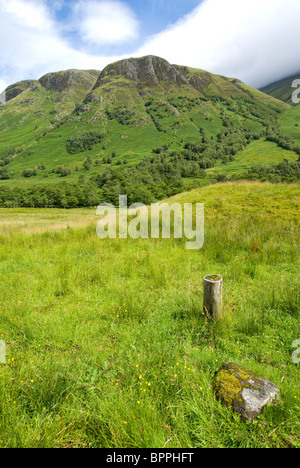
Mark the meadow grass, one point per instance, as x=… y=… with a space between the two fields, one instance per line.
x=258 y=153
x=106 y=342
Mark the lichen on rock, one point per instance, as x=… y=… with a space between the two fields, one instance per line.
x=244 y=391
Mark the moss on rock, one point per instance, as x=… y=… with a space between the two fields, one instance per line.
x=244 y=391
x=227 y=387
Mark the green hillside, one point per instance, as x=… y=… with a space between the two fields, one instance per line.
x=172 y=122
x=289 y=123
x=282 y=89
x=259 y=152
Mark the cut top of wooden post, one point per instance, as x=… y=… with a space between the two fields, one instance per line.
x=213 y=296
x=213 y=278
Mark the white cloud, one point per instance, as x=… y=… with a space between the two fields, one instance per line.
x=32 y=13
x=106 y=22
x=31 y=44
x=255 y=41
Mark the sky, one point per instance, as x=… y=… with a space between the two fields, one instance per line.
x=256 y=41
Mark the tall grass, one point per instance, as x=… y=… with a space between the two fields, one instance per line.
x=107 y=345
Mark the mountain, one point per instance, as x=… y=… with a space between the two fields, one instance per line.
x=74 y=125
x=282 y=89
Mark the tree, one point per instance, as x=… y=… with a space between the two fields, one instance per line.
x=87 y=165
x=4 y=174
x=29 y=173
x=84 y=142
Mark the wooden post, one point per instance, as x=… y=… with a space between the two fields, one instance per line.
x=213 y=296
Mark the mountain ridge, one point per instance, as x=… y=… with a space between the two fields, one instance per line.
x=282 y=89
x=82 y=123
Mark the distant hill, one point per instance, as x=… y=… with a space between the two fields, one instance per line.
x=282 y=89
x=141 y=125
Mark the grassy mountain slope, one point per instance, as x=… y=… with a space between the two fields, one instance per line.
x=289 y=123
x=259 y=152
x=134 y=106
x=282 y=89
x=33 y=109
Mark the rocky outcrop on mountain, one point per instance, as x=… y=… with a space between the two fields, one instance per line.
x=147 y=71
x=200 y=80
x=155 y=72
x=65 y=80
x=14 y=90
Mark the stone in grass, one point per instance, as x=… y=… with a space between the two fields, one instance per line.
x=245 y=392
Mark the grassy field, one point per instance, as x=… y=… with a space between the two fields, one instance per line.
x=259 y=152
x=107 y=345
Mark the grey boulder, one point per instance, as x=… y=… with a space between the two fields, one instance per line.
x=244 y=391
